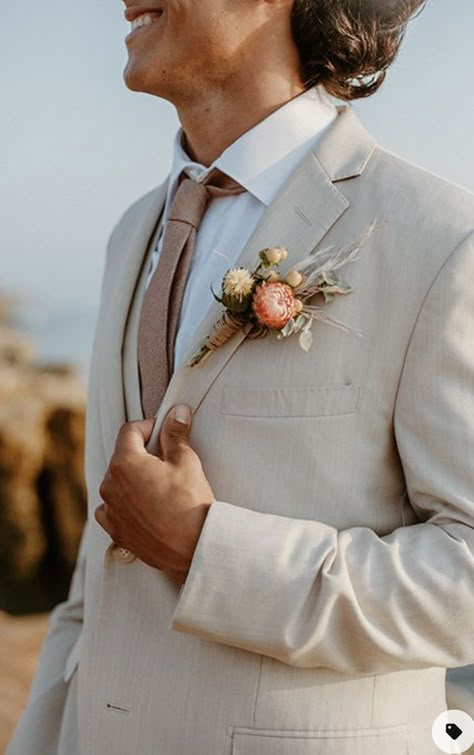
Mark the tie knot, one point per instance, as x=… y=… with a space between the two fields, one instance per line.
x=192 y=198
x=221 y=185
x=190 y=202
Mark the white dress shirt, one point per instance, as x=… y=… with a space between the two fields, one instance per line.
x=261 y=161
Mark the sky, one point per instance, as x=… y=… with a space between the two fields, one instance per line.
x=76 y=147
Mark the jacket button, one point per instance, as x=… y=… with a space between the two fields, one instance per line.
x=123 y=555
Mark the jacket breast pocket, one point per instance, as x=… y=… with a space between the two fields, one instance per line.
x=389 y=741
x=291 y=401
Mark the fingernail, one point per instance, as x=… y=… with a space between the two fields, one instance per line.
x=182 y=414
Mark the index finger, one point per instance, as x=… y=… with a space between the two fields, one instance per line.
x=133 y=436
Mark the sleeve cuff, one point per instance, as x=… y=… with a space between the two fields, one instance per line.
x=243 y=562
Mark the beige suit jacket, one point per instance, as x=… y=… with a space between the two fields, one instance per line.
x=333 y=582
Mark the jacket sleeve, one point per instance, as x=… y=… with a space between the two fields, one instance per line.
x=309 y=595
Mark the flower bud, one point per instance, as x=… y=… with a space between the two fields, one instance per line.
x=294 y=278
x=298 y=306
x=273 y=276
x=273 y=255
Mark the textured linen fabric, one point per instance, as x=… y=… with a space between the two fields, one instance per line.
x=333 y=580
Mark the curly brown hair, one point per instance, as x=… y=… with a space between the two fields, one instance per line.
x=348 y=45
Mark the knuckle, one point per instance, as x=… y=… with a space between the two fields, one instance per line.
x=115 y=465
x=104 y=490
x=127 y=428
x=101 y=518
x=186 y=450
x=108 y=523
x=179 y=453
x=118 y=466
x=175 y=432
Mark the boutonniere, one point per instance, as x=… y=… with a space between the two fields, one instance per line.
x=266 y=299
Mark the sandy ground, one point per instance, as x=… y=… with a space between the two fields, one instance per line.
x=20 y=641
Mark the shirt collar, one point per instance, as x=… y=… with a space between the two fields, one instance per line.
x=263 y=158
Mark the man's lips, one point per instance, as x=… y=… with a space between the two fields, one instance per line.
x=136 y=10
x=142 y=21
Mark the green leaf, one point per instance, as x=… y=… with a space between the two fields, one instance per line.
x=236 y=304
x=288 y=329
x=299 y=323
x=306 y=339
x=263 y=257
x=215 y=295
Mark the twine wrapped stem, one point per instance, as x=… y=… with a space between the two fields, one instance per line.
x=222 y=331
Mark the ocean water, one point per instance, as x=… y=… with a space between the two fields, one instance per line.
x=63 y=335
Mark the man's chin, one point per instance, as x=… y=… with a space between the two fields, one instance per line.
x=138 y=80
x=132 y=78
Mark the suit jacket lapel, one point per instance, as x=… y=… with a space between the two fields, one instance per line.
x=131 y=375
x=301 y=215
x=125 y=262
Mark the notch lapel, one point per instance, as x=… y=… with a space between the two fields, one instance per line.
x=301 y=215
x=128 y=250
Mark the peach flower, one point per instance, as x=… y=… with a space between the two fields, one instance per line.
x=274 y=304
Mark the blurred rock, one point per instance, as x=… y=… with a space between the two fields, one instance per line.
x=15 y=347
x=42 y=490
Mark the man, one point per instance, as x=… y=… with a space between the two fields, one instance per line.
x=282 y=562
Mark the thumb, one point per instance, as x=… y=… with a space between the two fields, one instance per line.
x=174 y=433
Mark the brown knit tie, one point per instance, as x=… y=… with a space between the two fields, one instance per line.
x=161 y=308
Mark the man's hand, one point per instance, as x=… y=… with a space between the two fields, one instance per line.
x=156 y=507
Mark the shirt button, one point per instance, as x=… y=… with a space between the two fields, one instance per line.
x=123 y=555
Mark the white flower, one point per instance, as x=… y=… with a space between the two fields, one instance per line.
x=238 y=282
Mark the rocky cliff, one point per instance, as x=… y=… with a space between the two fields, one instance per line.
x=42 y=490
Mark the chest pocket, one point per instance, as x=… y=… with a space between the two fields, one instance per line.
x=389 y=741
x=304 y=401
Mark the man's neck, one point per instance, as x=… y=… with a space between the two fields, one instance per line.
x=215 y=121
